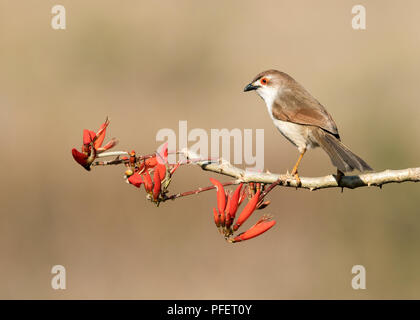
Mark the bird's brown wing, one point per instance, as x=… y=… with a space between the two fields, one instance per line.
x=298 y=106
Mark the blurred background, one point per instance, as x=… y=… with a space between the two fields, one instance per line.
x=149 y=64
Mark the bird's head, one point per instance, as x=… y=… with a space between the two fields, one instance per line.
x=268 y=84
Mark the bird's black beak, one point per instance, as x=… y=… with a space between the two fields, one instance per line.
x=250 y=87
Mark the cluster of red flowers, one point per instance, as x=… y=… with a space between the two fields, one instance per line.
x=227 y=205
x=92 y=146
x=154 y=173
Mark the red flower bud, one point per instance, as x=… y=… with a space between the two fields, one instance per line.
x=161 y=169
x=148 y=184
x=234 y=203
x=112 y=143
x=151 y=162
x=221 y=198
x=100 y=135
x=216 y=217
x=263 y=204
x=132 y=158
x=141 y=167
x=243 y=194
x=247 y=211
x=157 y=184
x=251 y=187
x=80 y=158
x=228 y=221
x=256 y=230
x=136 y=180
x=88 y=136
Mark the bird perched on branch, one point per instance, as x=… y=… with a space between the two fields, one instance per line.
x=303 y=121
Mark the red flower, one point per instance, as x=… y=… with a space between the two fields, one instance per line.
x=151 y=162
x=247 y=211
x=148 y=184
x=216 y=217
x=161 y=169
x=257 y=229
x=154 y=172
x=227 y=206
x=234 y=203
x=221 y=199
x=228 y=220
x=160 y=158
x=92 y=145
x=90 y=137
x=136 y=180
x=156 y=185
x=81 y=158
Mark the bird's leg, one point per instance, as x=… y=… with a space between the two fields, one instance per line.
x=295 y=168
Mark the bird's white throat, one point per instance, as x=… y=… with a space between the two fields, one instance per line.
x=295 y=133
x=269 y=95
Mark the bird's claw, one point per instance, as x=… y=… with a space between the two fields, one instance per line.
x=298 y=181
x=339 y=176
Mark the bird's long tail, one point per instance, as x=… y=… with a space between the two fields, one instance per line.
x=340 y=155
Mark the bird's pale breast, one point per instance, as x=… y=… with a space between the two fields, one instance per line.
x=297 y=134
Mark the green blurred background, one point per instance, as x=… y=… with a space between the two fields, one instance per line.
x=149 y=64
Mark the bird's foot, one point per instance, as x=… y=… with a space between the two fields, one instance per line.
x=339 y=176
x=296 y=177
x=298 y=182
x=293 y=176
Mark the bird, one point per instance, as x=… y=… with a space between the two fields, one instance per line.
x=303 y=121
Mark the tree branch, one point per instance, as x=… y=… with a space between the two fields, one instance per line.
x=363 y=180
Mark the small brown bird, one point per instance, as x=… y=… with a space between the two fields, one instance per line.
x=302 y=120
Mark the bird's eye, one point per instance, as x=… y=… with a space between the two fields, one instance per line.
x=264 y=81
